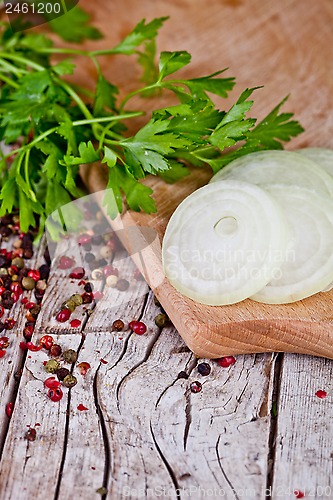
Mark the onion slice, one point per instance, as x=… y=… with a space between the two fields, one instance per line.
x=308 y=268
x=322 y=156
x=278 y=167
x=224 y=242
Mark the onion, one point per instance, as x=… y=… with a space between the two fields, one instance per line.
x=224 y=242
x=322 y=156
x=278 y=167
x=309 y=264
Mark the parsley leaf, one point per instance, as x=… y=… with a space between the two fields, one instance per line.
x=140 y=34
x=74 y=26
x=52 y=127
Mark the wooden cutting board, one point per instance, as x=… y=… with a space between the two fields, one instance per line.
x=287 y=46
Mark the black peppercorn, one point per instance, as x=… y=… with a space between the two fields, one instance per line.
x=122 y=285
x=182 y=374
x=88 y=287
x=62 y=373
x=44 y=271
x=28 y=253
x=89 y=257
x=97 y=239
x=204 y=369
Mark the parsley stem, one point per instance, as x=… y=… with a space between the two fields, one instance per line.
x=136 y=92
x=23 y=60
x=9 y=81
x=10 y=68
x=108 y=118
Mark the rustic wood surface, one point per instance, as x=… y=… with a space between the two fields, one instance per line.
x=256 y=430
x=283 y=45
x=256 y=427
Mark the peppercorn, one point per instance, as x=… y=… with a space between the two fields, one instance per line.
x=195 y=387
x=112 y=281
x=3 y=271
x=89 y=257
x=70 y=356
x=28 y=283
x=18 y=262
x=41 y=285
x=97 y=274
x=76 y=298
x=122 y=285
x=52 y=366
x=106 y=252
x=182 y=374
x=39 y=294
x=7 y=303
x=44 y=271
x=118 y=325
x=204 y=369
x=96 y=239
x=69 y=304
x=87 y=298
x=30 y=435
x=62 y=373
x=28 y=253
x=161 y=320
x=35 y=310
x=55 y=350
x=69 y=381
x=88 y=287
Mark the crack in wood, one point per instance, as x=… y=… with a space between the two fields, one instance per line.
x=148 y=352
x=222 y=469
x=276 y=379
x=107 y=447
x=188 y=416
x=166 y=463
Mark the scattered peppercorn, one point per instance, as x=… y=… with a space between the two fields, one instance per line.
x=62 y=373
x=195 y=387
x=204 y=369
x=31 y=434
x=63 y=315
x=55 y=350
x=46 y=341
x=52 y=365
x=226 y=361
x=182 y=374
x=118 y=325
x=161 y=320
x=69 y=381
x=55 y=394
x=111 y=281
x=70 y=356
x=122 y=285
x=76 y=298
x=28 y=283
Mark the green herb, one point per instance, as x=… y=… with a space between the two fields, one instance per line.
x=53 y=126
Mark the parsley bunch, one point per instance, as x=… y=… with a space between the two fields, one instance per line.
x=53 y=126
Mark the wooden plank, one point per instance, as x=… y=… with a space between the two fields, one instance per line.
x=303 y=443
x=262 y=42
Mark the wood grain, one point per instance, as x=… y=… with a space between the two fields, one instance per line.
x=285 y=46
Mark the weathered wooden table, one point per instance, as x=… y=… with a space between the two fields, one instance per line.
x=256 y=429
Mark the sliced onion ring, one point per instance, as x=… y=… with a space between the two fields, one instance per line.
x=224 y=242
x=278 y=167
x=322 y=156
x=309 y=265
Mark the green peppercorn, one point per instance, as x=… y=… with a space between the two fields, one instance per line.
x=77 y=299
x=28 y=283
x=68 y=304
x=161 y=320
x=69 y=381
x=18 y=262
x=3 y=270
x=52 y=366
x=62 y=373
x=70 y=356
